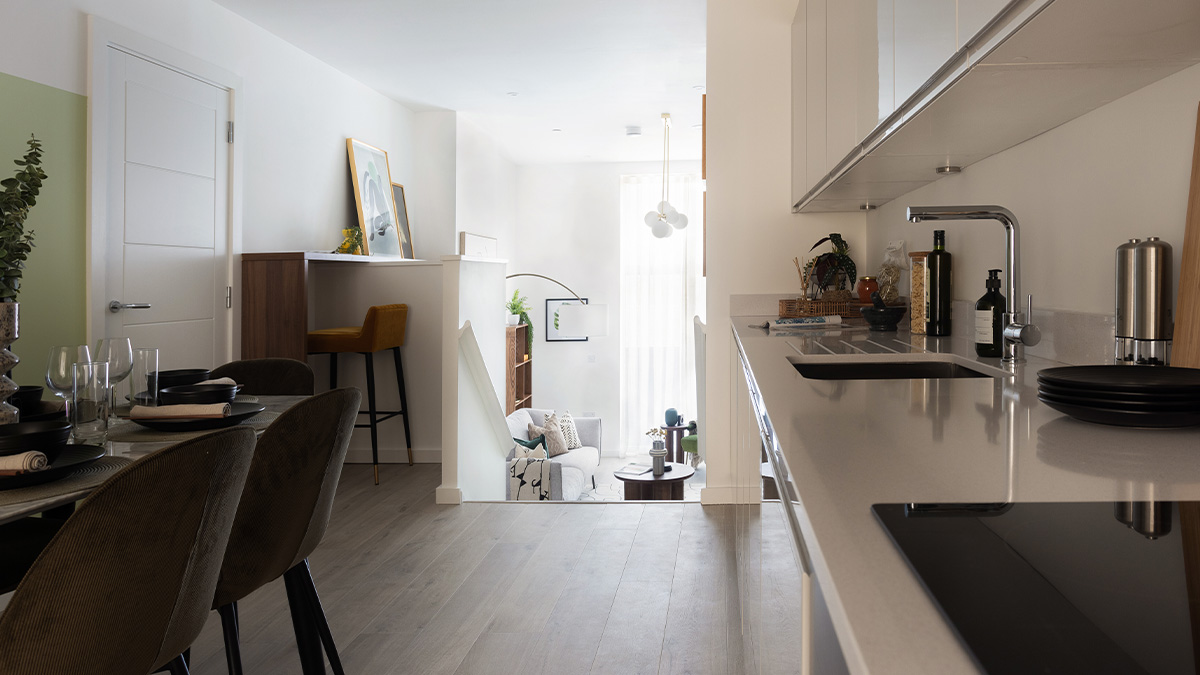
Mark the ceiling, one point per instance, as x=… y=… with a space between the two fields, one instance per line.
x=586 y=68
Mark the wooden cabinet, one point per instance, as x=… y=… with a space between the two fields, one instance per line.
x=518 y=371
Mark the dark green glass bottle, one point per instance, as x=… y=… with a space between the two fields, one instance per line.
x=938 y=295
x=988 y=312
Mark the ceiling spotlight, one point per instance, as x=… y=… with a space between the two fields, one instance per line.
x=698 y=87
x=949 y=168
x=633 y=131
x=698 y=125
x=514 y=93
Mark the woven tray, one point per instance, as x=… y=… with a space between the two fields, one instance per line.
x=798 y=307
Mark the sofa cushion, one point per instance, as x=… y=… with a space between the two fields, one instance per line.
x=584 y=459
x=531 y=442
x=518 y=423
x=567 y=424
x=556 y=443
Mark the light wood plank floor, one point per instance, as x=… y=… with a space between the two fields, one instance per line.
x=413 y=587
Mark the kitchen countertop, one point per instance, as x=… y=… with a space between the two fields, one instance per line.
x=848 y=444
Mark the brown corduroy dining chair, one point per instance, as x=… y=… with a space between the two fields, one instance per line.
x=269 y=376
x=126 y=584
x=383 y=328
x=283 y=514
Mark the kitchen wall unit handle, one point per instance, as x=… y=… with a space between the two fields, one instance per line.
x=116 y=306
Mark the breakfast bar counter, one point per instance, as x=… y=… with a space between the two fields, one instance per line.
x=847 y=444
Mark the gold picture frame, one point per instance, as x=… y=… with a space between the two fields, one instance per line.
x=369 y=174
x=403 y=229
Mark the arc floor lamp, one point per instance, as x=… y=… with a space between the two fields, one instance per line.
x=582 y=320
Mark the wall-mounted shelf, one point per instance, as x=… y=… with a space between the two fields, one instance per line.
x=1037 y=65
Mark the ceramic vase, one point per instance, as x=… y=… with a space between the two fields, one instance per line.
x=8 y=334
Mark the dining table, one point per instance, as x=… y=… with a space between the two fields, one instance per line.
x=127 y=442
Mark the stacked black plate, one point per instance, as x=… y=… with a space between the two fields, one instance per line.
x=1121 y=395
x=48 y=437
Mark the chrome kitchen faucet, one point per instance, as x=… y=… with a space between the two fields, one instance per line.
x=1017 y=333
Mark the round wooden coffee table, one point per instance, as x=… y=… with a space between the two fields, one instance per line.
x=664 y=487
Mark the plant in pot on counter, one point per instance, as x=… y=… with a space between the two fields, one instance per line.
x=518 y=313
x=832 y=274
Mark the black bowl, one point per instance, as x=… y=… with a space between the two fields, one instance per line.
x=24 y=436
x=27 y=397
x=45 y=411
x=193 y=394
x=883 y=319
x=176 y=378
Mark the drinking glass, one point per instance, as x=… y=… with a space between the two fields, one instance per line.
x=145 y=374
x=60 y=369
x=118 y=353
x=89 y=402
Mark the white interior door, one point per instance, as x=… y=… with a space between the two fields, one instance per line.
x=167 y=235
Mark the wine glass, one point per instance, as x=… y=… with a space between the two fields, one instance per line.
x=118 y=353
x=60 y=369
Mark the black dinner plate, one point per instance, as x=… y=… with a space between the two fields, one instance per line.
x=23 y=436
x=45 y=411
x=181 y=376
x=1125 y=418
x=1122 y=378
x=241 y=413
x=198 y=394
x=1119 y=404
x=1123 y=396
x=71 y=458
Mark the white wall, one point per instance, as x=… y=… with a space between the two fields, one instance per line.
x=752 y=234
x=297 y=110
x=1078 y=191
x=431 y=197
x=569 y=228
x=486 y=188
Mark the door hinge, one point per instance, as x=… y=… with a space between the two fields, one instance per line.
x=229 y=297
x=229 y=131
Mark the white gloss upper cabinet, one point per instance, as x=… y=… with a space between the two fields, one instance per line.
x=926 y=36
x=973 y=15
x=876 y=43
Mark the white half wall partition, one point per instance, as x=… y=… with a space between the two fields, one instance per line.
x=472 y=380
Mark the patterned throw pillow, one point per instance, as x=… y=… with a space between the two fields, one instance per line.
x=534 y=449
x=556 y=443
x=567 y=424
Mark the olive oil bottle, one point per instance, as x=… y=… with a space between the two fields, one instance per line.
x=938 y=294
x=988 y=311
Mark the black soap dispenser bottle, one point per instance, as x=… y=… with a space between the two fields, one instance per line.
x=988 y=312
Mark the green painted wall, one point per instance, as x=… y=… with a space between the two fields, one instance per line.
x=52 y=291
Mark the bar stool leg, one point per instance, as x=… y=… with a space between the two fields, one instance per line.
x=332 y=371
x=371 y=412
x=403 y=402
x=233 y=647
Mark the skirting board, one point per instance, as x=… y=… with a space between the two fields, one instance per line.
x=448 y=495
x=749 y=494
x=393 y=456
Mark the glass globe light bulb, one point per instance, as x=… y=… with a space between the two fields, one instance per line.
x=680 y=222
x=661 y=229
x=673 y=217
x=651 y=218
x=665 y=207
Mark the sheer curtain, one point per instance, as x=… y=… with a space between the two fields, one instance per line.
x=661 y=290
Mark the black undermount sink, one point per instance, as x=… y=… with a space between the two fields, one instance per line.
x=885 y=370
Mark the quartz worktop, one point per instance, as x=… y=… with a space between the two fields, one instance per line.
x=848 y=444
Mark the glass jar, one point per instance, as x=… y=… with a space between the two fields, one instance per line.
x=916 y=299
x=866 y=286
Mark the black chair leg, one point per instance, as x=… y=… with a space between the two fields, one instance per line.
x=403 y=401
x=307 y=640
x=304 y=578
x=177 y=666
x=371 y=412
x=233 y=647
x=333 y=371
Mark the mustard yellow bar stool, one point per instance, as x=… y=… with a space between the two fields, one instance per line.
x=382 y=329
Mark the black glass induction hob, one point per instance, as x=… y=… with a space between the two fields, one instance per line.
x=1095 y=587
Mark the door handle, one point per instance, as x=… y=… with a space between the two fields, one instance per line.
x=116 y=306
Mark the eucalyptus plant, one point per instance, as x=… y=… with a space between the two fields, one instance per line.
x=18 y=197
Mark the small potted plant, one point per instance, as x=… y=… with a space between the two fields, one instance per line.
x=518 y=313
x=832 y=274
x=18 y=196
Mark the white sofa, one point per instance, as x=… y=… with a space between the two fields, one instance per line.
x=569 y=472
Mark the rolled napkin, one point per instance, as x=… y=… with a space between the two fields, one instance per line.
x=219 y=380
x=193 y=411
x=26 y=461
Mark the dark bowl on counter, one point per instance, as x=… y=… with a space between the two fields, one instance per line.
x=177 y=378
x=44 y=411
x=26 y=398
x=45 y=437
x=883 y=318
x=197 y=394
